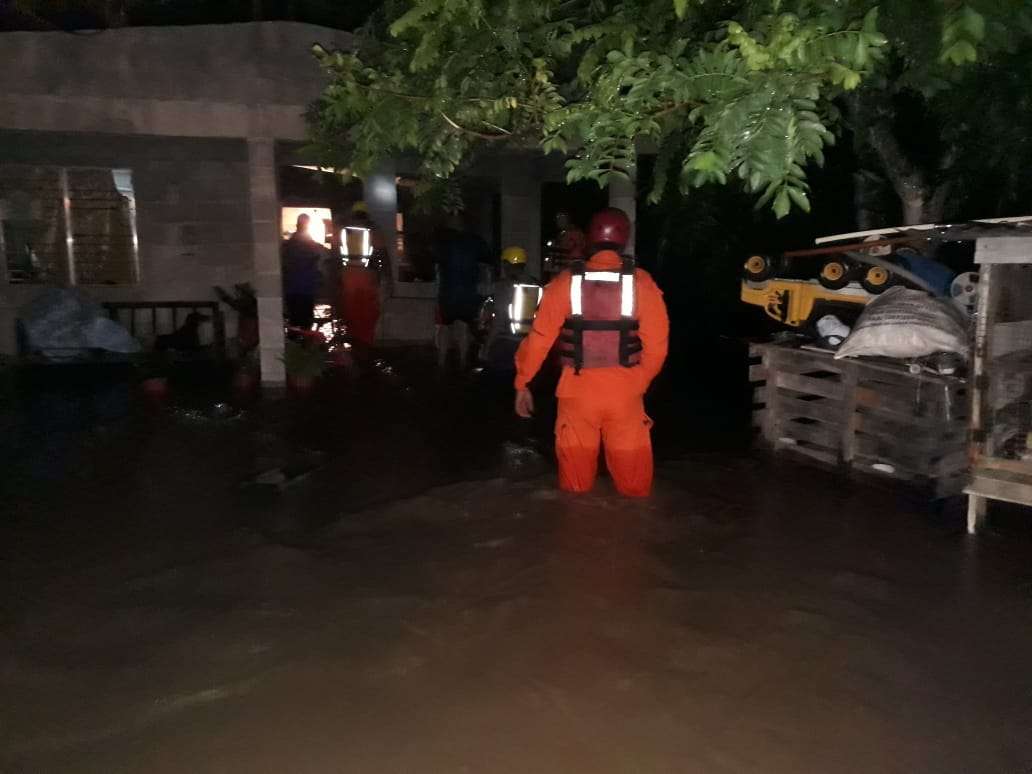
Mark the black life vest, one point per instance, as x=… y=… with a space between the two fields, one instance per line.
x=602 y=329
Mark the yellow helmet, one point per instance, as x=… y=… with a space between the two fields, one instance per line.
x=514 y=256
x=359 y=207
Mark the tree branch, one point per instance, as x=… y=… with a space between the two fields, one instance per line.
x=937 y=204
x=409 y=97
x=672 y=108
x=481 y=135
x=907 y=179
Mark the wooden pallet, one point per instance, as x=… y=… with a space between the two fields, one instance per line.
x=867 y=415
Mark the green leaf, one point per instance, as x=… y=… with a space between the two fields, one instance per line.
x=973 y=23
x=871 y=20
x=960 y=53
x=782 y=205
x=411 y=18
x=680 y=6
x=767 y=195
x=799 y=197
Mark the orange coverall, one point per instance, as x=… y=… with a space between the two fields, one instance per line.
x=360 y=295
x=600 y=406
x=360 y=299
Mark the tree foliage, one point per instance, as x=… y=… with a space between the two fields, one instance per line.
x=946 y=117
x=723 y=90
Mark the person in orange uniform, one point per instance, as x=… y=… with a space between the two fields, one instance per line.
x=363 y=256
x=612 y=327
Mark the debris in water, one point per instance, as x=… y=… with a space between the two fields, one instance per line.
x=286 y=475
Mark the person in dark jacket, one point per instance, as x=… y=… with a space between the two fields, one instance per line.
x=460 y=256
x=301 y=275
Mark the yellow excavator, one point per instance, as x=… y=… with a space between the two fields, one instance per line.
x=840 y=276
x=844 y=272
x=794 y=299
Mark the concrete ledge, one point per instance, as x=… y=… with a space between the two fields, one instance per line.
x=169 y=118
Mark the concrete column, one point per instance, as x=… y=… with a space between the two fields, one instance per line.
x=622 y=195
x=265 y=245
x=521 y=209
x=380 y=190
x=381 y=196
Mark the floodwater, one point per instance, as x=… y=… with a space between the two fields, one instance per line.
x=413 y=595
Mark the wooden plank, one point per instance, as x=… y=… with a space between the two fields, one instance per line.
x=817 y=433
x=888 y=444
x=931 y=466
x=920 y=399
x=816 y=454
x=822 y=410
x=891 y=422
x=988 y=299
x=915 y=465
x=977 y=511
x=907 y=421
x=894 y=370
x=826 y=388
x=1004 y=475
x=847 y=437
x=952 y=463
x=879 y=402
x=918 y=439
x=771 y=401
x=866 y=464
x=888 y=370
x=1010 y=338
x=987 y=484
x=870 y=422
x=1021 y=467
x=802 y=361
x=758 y=373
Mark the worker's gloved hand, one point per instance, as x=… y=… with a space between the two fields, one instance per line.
x=524 y=404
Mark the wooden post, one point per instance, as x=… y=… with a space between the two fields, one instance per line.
x=849 y=382
x=977 y=507
x=770 y=418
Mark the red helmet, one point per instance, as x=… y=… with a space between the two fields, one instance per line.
x=609 y=226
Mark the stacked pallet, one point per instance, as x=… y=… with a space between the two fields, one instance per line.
x=873 y=416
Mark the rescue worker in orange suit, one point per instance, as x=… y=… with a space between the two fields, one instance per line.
x=364 y=262
x=612 y=327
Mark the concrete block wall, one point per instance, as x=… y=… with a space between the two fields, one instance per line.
x=193 y=213
x=261 y=64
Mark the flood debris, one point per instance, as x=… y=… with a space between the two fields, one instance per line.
x=288 y=474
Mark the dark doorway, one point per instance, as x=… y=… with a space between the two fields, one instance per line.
x=579 y=200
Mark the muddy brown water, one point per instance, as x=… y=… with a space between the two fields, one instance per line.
x=407 y=610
